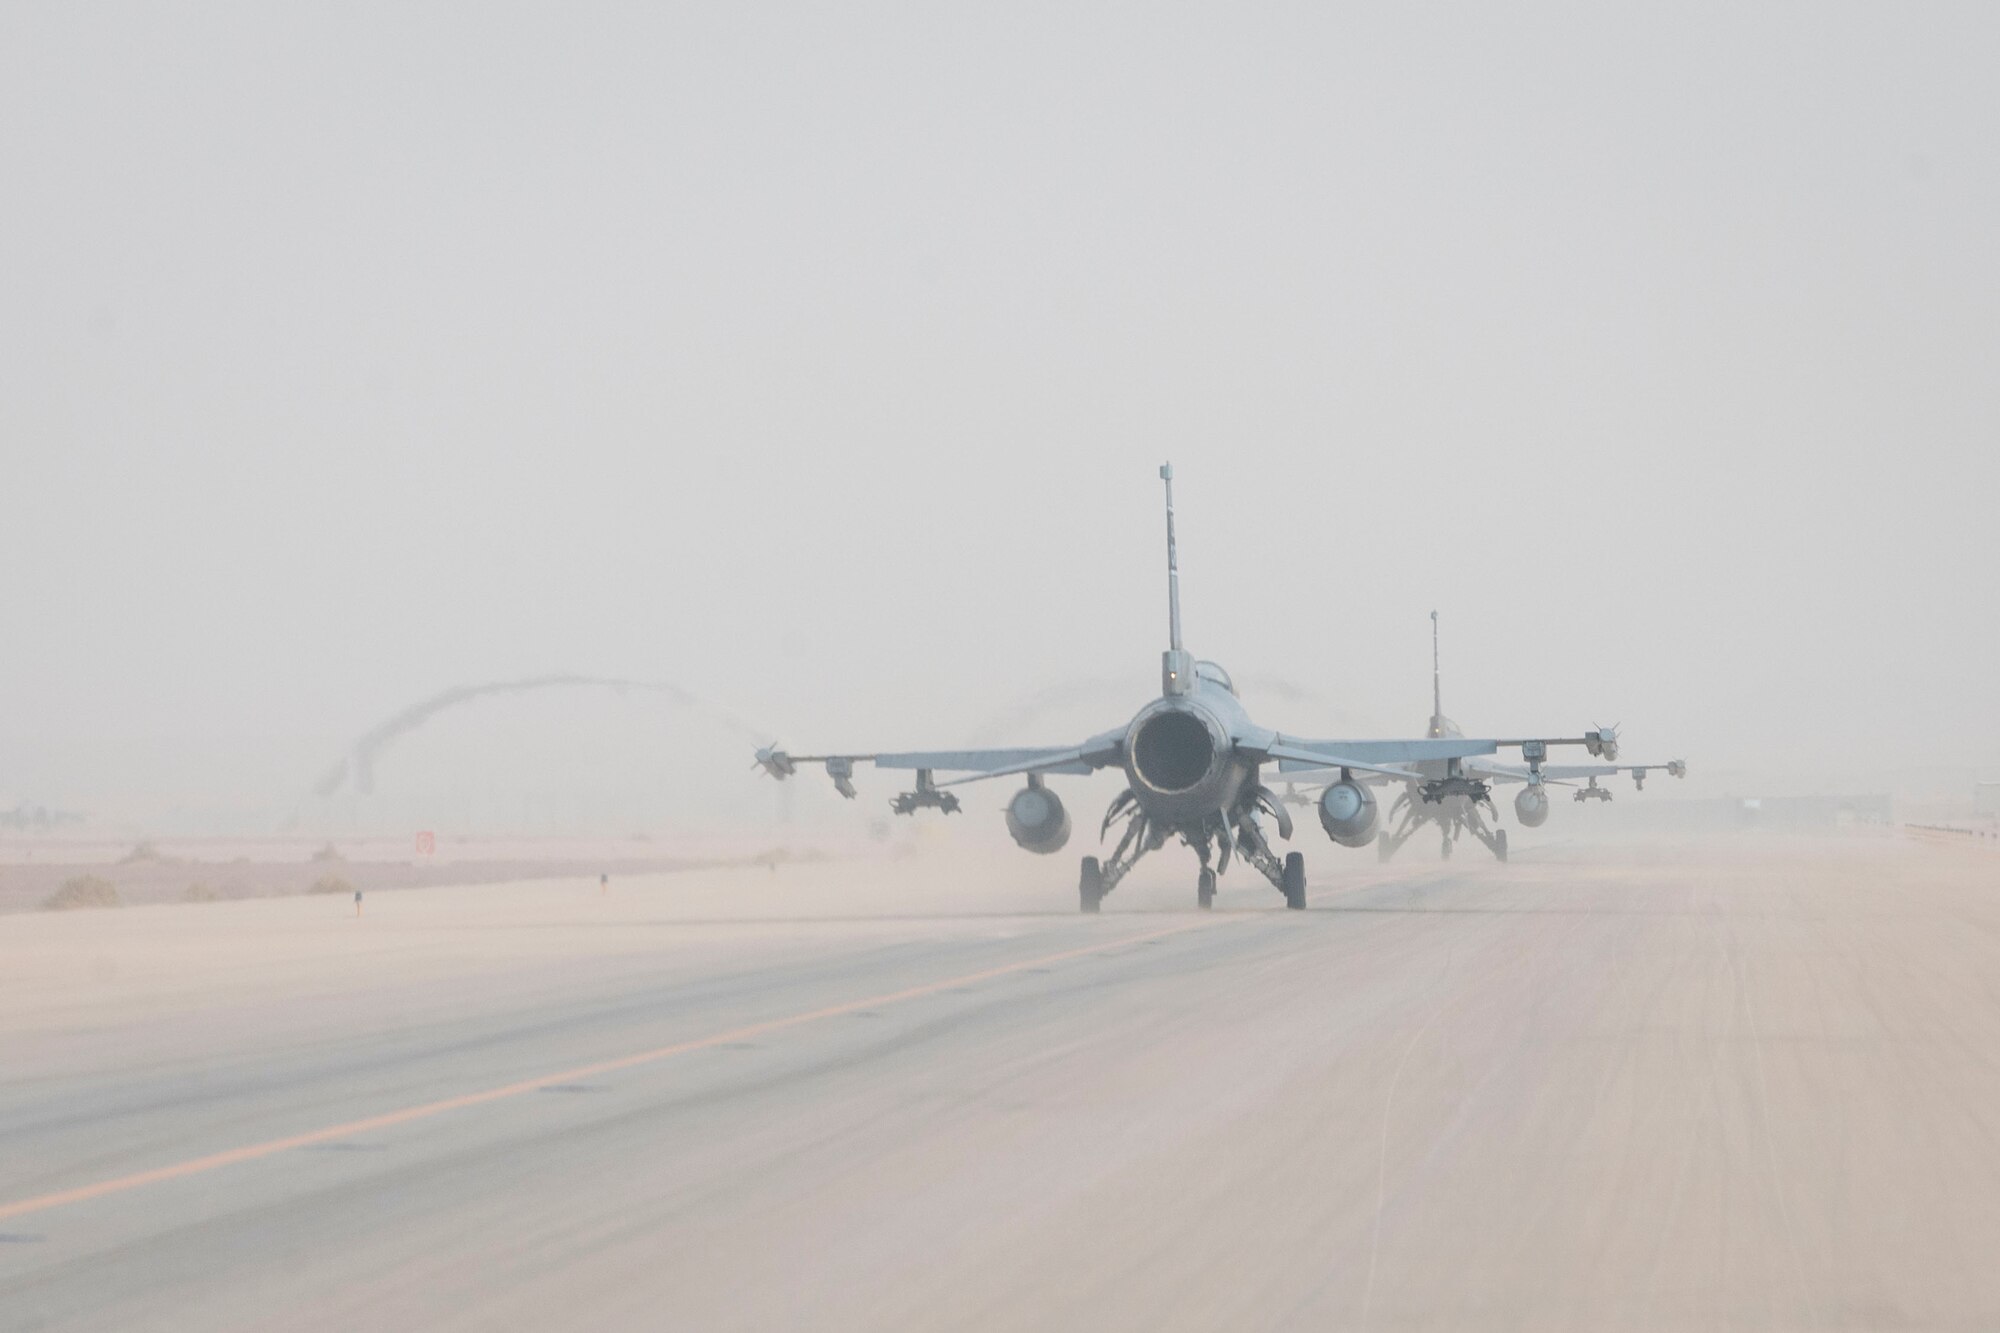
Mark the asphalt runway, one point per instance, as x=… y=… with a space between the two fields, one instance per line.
x=1753 y=1086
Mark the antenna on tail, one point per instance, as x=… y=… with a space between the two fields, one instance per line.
x=1176 y=666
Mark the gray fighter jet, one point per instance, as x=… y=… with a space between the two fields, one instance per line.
x=1457 y=795
x=1192 y=759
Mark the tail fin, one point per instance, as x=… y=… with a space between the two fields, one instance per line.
x=1176 y=665
x=1437 y=684
x=1173 y=565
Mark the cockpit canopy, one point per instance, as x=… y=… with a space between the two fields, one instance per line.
x=1212 y=671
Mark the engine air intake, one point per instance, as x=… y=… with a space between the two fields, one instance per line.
x=1173 y=751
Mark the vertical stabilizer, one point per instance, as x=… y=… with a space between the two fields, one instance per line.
x=1173 y=565
x=1437 y=684
x=1176 y=666
x=1441 y=726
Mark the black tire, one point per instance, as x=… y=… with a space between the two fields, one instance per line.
x=1204 y=894
x=1090 y=889
x=1500 y=844
x=1295 y=881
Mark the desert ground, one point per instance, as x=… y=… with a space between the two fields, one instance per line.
x=1747 y=1082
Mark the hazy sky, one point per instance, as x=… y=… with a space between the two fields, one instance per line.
x=818 y=357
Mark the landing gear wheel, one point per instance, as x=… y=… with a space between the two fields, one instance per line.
x=1500 y=844
x=1446 y=852
x=1383 y=851
x=1295 y=881
x=1204 y=894
x=1090 y=891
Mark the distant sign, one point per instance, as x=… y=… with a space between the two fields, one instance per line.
x=427 y=843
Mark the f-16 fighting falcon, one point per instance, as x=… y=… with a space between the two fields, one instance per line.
x=1192 y=759
x=1452 y=793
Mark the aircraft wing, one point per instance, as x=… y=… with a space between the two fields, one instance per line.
x=1298 y=753
x=1370 y=776
x=1059 y=761
x=988 y=763
x=1093 y=754
x=1294 y=758
x=1602 y=742
x=1500 y=772
x=1491 y=771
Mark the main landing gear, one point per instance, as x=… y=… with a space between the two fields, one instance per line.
x=1287 y=877
x=1092 y=888
x=1239 y=834
x=1294 y=885
x=1291 y=882
x=1456 y=818
x=1495 y=839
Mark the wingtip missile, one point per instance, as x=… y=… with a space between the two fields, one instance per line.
x=776 y=762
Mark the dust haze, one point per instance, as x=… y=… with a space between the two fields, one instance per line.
x=817 y=360
x=439 y=444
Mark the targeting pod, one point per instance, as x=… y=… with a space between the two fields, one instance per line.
x=1348 y=813
x=1531 y=806
x=1036 y=820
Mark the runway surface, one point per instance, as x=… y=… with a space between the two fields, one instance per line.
x=1752 y=1086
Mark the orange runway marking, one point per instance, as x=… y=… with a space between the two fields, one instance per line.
x=195 y=1166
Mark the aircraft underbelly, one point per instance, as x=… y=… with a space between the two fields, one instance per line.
x=1221 y=789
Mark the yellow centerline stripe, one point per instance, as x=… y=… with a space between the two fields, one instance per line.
x=251 y=1152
